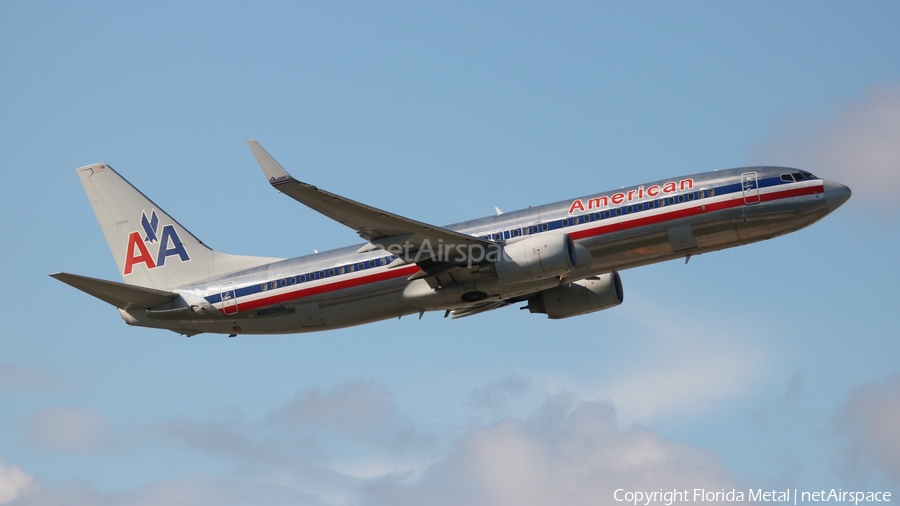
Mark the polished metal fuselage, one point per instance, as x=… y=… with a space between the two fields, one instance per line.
x=718 y=210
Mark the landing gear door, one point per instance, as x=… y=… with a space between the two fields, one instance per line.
x=310 y=315
x=229 y=302
x=750 y=186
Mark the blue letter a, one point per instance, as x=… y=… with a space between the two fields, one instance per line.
x=170 y=236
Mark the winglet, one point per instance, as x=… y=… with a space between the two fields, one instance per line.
x=272 y=169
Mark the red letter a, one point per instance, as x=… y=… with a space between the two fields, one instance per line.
x=134 y=239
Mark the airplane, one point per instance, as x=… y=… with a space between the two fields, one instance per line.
x=561 y=259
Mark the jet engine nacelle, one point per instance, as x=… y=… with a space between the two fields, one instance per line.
x=539 y=257
x=580 y=297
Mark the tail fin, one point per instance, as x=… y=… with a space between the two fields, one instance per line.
x=150 y=248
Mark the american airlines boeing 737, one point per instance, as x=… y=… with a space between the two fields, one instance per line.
x=559 y=259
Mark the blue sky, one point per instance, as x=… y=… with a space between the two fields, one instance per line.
x=772 y=365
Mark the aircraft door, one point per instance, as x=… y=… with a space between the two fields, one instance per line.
x=750 y=187
x=229 y=301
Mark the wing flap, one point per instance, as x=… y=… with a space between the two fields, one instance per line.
x=477 y=308
x=119 y=295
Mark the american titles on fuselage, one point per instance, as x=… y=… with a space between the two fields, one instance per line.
x=632 y=195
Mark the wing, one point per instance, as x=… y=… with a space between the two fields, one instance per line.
x=381 y=228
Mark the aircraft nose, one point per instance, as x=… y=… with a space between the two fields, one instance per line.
x=835 y=194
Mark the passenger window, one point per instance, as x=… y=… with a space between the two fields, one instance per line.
x=545 y=226
x=712 y=192
x=264 y=287
x=691 y=196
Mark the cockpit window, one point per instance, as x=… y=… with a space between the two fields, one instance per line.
x=798 y=176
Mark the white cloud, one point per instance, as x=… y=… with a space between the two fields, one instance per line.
x=567 y=452
x=870 y=419
x=68 y=430
x=346 y=433
x=13 y=483
x=354 y=407
x=495 y=396
x=189 y=490
x=856 y=143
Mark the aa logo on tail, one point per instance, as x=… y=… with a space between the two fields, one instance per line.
x=168 y=244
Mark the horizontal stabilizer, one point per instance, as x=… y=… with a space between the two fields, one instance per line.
x=119 y=295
